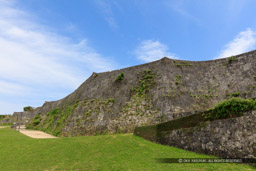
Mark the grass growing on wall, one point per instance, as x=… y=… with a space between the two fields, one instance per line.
x=104 y=152
x=146 y=81
x=53 y=121
x=120 y=76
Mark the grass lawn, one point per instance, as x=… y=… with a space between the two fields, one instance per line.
x=104 y=152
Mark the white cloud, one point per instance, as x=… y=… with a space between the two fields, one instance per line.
x=6 y=88
x=243 y=42
x=33 y=58
x=150 y=50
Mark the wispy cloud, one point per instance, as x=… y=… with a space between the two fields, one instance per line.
x=150 y=50
x=243 y=42
x=34 y=59
x=6 y=88
x=105 y=7
x=178 y=6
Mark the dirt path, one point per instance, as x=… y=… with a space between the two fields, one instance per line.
x=34 y=133
x=3 y=127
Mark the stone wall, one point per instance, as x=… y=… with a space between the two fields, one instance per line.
x=5 y=119
x=179 y=87
x=233 y=138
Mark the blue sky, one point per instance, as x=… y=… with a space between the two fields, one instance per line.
x=49 y=47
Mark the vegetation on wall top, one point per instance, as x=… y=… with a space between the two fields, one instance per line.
x=232 y=107
x=54 y=120
x=28 y=108
x=231 y=59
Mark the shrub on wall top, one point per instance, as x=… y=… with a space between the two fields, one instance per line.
x=28 y=108
x=231 y=108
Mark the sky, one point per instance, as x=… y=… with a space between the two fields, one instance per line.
x=50 y=47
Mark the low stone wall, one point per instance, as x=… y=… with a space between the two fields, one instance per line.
x=185 y=120
x=5 y=119
x=172 y=116
x=232 y=138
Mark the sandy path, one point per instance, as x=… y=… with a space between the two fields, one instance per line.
x=34 y=133
x=3 y=127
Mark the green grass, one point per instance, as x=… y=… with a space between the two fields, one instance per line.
x=104 y=152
